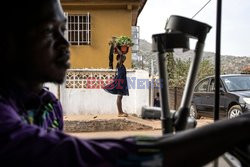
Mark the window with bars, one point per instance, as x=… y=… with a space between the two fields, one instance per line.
x=79 y=29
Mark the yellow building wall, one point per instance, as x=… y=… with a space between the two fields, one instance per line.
x=104 y=25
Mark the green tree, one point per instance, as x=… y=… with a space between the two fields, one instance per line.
x=206 y=69
x=178 y=73
x=170 y=64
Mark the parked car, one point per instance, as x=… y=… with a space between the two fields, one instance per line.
x=234 y=96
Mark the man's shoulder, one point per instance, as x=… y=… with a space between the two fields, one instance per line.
x=49 y=97
x=47 y=92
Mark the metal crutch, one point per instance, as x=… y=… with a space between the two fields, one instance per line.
x=178 y=31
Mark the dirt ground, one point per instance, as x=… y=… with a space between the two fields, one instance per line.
x=120 y=134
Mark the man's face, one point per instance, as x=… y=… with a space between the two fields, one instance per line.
x=45 y=51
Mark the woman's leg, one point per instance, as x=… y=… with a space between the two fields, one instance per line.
x=119 y=106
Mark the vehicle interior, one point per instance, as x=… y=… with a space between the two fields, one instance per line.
x=178 y=31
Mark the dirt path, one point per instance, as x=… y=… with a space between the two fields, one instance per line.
x=121 y=134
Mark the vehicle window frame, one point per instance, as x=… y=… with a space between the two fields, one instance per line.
x=199 y=84
x=221 y=85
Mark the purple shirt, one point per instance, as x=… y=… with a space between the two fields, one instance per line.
x=30 y=135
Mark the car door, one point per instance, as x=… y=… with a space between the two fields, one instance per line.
x=209 y=98
x=200 y=93
x=209 y=102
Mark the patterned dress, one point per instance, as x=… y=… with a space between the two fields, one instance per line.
x=119 y=85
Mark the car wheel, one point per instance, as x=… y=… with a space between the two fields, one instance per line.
x=234 y=111
x=193 y=112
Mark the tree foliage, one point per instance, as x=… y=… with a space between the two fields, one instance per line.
x=206 y=69
x=178 y=71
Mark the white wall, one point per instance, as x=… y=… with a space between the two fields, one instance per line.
x=98 y=101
